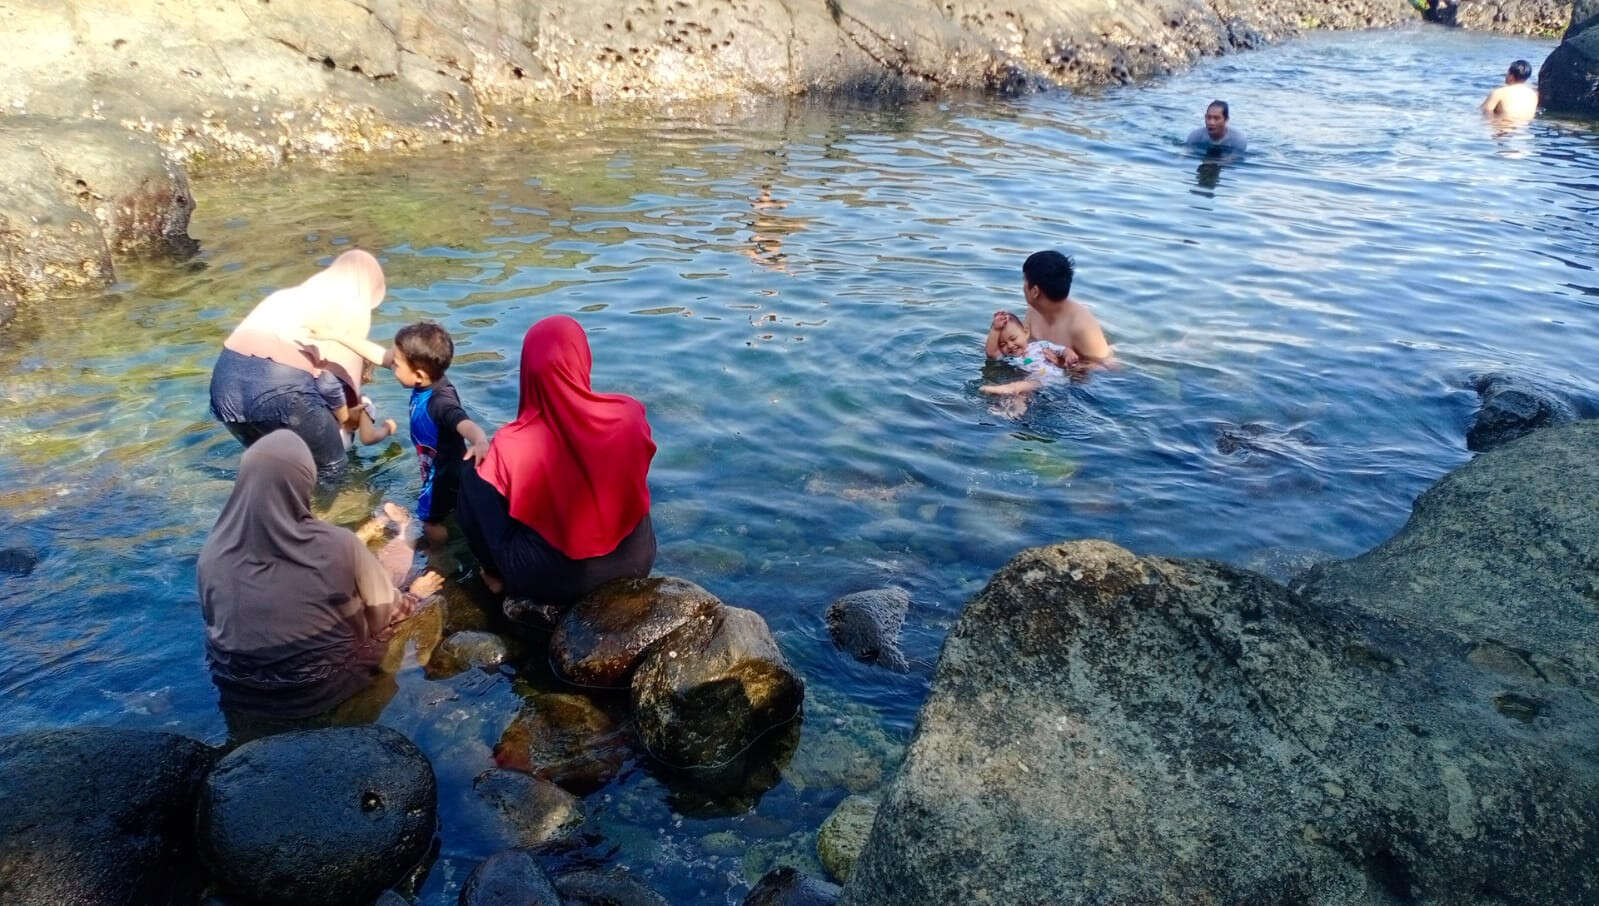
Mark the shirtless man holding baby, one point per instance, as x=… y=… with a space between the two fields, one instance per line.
x=1053 y=316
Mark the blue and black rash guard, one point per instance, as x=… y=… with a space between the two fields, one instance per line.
x=436 y=416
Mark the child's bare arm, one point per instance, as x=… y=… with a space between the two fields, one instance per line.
x=371 y=433
x=991 y=344
x=1010 y=388
x=477 y=443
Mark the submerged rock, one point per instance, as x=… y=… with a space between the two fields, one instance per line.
x=16 y=561
x=318 y=817
x=528 y=811
x=600 y=640
x=469 y=648
x=566 y=739
x=787 y=887
x=1513 y=407
x=1416 y=725
x=1568 y=80
x=511 y=878
x=867 y=625
x=99 y=816
x=712 y=688
x=614 y=888
x=843 y=835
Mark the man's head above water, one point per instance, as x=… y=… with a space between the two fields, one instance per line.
x=1216 y=116
x=1050 y=273
x=1520 y=71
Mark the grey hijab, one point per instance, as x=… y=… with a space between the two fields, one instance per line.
x=288 y=599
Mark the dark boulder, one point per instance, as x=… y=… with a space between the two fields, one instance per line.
x=1568 y=81
x=867 y=625
x=600 y=640
x=1414 y=726
x=612 y=888
x=99 y=816
x=1513 y=407
x=567 y=739
x=318 y=817
x=712 y=688
x=787 y=887
x=510 y=878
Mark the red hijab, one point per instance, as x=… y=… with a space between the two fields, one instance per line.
x=574 y=463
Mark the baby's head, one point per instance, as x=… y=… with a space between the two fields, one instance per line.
x=1013 y=337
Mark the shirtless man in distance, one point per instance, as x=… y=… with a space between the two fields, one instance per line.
x=1515 y=99
x=1052 y=316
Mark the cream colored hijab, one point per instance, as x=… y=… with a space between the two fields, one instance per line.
x=297 y=326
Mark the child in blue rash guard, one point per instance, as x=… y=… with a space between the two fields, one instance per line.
x=443 y=435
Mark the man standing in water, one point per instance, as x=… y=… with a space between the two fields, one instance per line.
x=1217 y=135
x=1515 y=99
x=1052 y=316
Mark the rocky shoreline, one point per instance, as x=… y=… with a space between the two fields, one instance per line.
x=106 y=101
x=1410 y=726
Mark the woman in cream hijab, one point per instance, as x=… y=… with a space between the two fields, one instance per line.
x=275 y=371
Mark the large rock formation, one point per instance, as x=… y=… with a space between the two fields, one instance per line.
x=256 y=79
x=1543 y=18
x=1417 y=725
x=78 y=195
x=99 y=816
x=1568 y=81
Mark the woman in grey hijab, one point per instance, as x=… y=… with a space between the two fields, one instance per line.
x=297 y=611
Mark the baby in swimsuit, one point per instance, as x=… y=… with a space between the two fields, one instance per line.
x=1040 y=361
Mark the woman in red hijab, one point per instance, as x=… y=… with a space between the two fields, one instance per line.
x=561 y=503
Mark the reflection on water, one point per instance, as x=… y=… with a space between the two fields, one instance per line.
x=799 y=297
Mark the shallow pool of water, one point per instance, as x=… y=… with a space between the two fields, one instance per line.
x=799 y=294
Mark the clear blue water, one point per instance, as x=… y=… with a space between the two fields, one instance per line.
x=798 y=294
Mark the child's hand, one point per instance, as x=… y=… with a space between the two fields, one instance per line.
x=426 y=585
x=1000 y=318
x=389 y=427
x=476 y=452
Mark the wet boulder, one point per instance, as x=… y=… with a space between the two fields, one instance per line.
x=468 y=649
x=1544 y=18
x=1111 y=728
x=787 y=887
x=867 y=625
x=603 y=636
x=843 y=835
x=525 y=810
x=510 y=878
x=1513 y=407
x=568 y=740
x=318 y=817
x=612 y=888
x=1568 y=81
x=711 y=688
x=99 y=816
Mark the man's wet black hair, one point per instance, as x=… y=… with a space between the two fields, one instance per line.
x=427 y=346
x=1225 y=113
x=1521 y=70
x=1051 y=272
